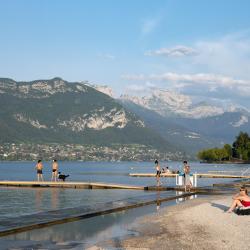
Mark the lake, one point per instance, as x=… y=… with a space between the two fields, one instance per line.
x=16 y=202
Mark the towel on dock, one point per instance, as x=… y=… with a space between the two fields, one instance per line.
x=243 y=211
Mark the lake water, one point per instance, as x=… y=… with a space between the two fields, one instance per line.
x=19 y=201
x=16 y=202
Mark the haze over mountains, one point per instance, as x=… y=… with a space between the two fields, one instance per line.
x=189 y=125
x=55 y=110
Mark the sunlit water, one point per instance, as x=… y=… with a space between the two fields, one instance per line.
x=19 y=201
x=77 y=235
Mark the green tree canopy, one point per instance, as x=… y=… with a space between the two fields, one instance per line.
x=239 y=150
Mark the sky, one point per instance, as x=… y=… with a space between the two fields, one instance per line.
x=199 y=48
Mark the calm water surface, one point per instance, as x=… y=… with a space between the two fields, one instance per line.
x=20 y=201
x=77 y=235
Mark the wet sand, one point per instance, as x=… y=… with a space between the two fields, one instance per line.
x=195 y=224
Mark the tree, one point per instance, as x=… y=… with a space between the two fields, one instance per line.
x=240 y=146
x=229 y=151
x=239 y=150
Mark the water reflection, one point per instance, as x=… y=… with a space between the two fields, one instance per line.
x=158 y=204
x=158 y=201
x=89 y=230
x=22 y=201
x=54 y=197
x=186 y=198
x=38 y=199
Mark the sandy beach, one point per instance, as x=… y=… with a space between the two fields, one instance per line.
x=194 y=224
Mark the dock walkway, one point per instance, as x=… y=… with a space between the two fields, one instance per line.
x=100 y=185
x=199 y=175
x=69 y=184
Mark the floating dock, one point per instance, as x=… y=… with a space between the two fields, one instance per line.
x=199 y=175
x=235 y=185
x=83 y=185
x=97 y=185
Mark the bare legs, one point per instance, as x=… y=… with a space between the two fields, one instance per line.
x=188 y=187
x=54 y=176
x=39 y=177
x=236 y=203
x=158 y=180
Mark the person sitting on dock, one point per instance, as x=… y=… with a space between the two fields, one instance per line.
x=158 y=172
x=187 y=181
x=39 y=170
x=175 y=172
x=240 y=200
x=167 y=171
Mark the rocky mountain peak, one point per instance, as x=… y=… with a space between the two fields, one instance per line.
x=169 y=103
x=40 y=88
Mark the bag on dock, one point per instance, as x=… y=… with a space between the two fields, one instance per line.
x=243 y=211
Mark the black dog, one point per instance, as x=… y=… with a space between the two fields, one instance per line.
x=62 y=176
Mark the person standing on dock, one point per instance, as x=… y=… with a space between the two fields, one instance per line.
x=187 y=181
x=54 y=170
x=158 y=172
x=39 y=170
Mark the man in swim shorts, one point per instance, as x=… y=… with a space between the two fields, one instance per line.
x=158 y=172
x=54 y=170
x=39 y=170
x=187 y=181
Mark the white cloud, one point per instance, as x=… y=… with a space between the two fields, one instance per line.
x=228 y=55
x=220 y=69
x=106 y=56
x=150 y=84
x=201 y=78
x=149 y=25
x=211 y=81
x=134 y=77
x=136 y=88
x=177 y=51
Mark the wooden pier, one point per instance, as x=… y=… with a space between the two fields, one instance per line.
x=199 y=175
x=82 y=185
x=99 y=185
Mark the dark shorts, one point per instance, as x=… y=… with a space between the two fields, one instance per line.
x=39 y=171
x=54 y=170
x=158 y=173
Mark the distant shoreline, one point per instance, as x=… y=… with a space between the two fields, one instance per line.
x=226 y=162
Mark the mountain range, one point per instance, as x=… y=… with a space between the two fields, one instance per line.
x=189 y=126
x=57 y=111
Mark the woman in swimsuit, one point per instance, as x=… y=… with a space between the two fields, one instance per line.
x=240 y=200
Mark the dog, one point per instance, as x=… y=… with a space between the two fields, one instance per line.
x=62 y=176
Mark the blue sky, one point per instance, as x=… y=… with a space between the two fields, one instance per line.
x=201 y=48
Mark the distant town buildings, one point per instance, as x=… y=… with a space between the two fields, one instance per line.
x=75 y=152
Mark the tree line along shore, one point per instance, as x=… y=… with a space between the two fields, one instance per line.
x=237 y=153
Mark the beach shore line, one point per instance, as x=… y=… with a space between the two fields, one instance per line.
x=195 y=224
